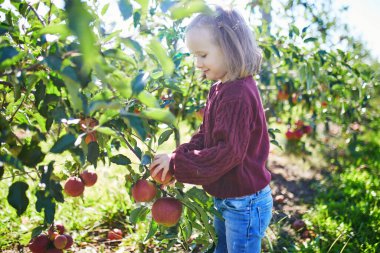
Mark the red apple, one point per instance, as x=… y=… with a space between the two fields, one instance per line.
x=299 y=124
x=60 y=228
x=115 y=234
x=298 y=224
x=39 y=243
x=90 y=137
x=167 y=211
x=89 y=178
x=307 y=129
x=157 y=178
x=74 y=187
x=143 y=191
x=290 y=135
x=279 y=199
x=298 y=134
x=282 y=95
x=53 y=235
x=60 y=242
x=54 y=250
x=70 y=241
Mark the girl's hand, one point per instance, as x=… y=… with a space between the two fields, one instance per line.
x=160 y=162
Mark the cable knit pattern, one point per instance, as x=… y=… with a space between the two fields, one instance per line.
x=227 y=156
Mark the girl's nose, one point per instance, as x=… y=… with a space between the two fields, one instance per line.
x=198 y=63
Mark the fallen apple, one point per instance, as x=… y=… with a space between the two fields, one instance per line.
x=115 y=234
x=298 y=224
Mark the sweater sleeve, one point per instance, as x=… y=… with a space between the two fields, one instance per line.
x=196 y=142
x=231 y=134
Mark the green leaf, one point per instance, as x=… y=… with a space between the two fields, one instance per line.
x=121 y=83
x=106 y=130
x=45 y=202
x=160 y=53
x=103 y=105
x=274 y=142
x=186 y=229
x=126 y=9
x=157 y=75
x=276 y=51
x=309 y=77
x=93 y=152
x=7 y=53
x=139 y=82
x=37 y=231
x=186 y=9
x=302 y=73
x=136 y=19
x=120 y=55
x=137 y=124
x=55 y=29
x=55 y=189
x=162 y=115
x=198 y=194
x=148 y=99
x=54 y=62
x=65 y=142
x=138 y=214
x=134 y=45
x=164 y=136
x=73 y=88
x=105 y=9
x=79 y=22
x=310 y=39
x=17 y=197
x=4 y=28
x=8 y=159
x=120 y=160
x=153 y=227
x=296 y=30
x=31 y=155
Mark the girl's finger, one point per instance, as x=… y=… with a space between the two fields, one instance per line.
x=157 y=169
x=164 y=172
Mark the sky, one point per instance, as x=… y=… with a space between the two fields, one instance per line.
x=363 y=18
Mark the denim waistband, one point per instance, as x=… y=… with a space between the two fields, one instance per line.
x=264 y=190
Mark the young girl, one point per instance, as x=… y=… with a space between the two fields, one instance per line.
x=227 y=155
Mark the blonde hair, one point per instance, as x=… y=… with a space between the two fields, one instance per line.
x=236 y=40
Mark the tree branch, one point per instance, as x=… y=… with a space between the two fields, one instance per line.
x=38 y=16
x=18 y=108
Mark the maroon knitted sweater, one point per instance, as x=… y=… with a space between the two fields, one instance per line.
x=227 y=155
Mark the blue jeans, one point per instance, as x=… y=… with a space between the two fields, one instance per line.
x=245 y=221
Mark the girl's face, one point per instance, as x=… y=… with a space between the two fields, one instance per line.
x=208 y=55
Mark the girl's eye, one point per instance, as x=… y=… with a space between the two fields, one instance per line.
x=204 y=56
